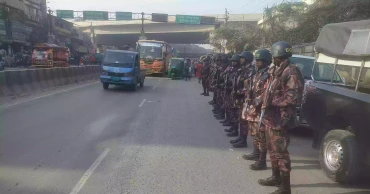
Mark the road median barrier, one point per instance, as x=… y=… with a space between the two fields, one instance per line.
x=21 y=82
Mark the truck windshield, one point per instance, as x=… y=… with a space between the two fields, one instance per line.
x=151 y=50
x=38 y=55
x=324 y=72
x=176 y=62
x=305 y=64
x=119 y=59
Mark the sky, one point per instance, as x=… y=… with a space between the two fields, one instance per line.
x=172 y=7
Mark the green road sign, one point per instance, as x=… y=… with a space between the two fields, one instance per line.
x=123 y=15
x=95 y=15
x=187 y=19
x=65 y=14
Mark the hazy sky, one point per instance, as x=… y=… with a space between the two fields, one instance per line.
x=193 y=7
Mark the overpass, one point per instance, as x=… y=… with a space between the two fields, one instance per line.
x=117 y=33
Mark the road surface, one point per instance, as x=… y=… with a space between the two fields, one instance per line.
x=160 y=139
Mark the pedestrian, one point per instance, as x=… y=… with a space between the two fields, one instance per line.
x=252 y=111
x=186 y=69
x=283 y=93
x=247 y=70
x=199 y=71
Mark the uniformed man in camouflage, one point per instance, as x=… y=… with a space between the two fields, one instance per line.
x=226 y=92
x=205 y=74
x=220 y=109
x=283 y=93
x=247 y=70
x=252 y=110
x=230 y=95
x=213 y=78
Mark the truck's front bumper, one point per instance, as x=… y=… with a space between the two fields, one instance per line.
x=117 y=80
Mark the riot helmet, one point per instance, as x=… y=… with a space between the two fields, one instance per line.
x=247 y=55
x=281 y=49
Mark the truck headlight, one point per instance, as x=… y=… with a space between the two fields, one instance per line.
x=104 y=73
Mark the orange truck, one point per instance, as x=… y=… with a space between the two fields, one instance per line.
x=50 y=55
x=155 y=56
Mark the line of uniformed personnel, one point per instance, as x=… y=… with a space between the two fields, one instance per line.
x=257 y=95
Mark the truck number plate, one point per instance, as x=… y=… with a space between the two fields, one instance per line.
x=116 y=78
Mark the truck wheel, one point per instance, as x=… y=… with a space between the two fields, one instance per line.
x=105 y=86
x=142 y=83
x=339 y=157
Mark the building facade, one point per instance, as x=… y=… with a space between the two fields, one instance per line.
x=22 y=24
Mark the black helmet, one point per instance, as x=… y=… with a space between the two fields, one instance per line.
x=235 y=58
x=281 y=49
x=216 y=57
x=224 y=58
x=247 y=55
x=264 y=55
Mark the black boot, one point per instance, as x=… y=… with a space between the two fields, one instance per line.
x=242 y=143
x=254 y=155
x=261 y=163
x=220 y=117
x=235 y=140
x=228 y=124
x=274 y=180
x=229 y=130
x=285 y=184
x=224 y=121
x=235 y=131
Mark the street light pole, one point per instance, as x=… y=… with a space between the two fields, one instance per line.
x=50 y=24
x=142 y=24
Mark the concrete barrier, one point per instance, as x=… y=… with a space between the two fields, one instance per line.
x=19 y=82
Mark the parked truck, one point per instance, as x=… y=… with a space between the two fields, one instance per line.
x=337 y=105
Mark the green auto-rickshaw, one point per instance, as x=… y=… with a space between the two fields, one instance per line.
x=176 y=68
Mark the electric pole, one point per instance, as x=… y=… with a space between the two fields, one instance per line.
x=50 y=24
x=226 y=16
x=142 y=26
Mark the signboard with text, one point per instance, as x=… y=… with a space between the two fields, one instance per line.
x=159 y=17
x=68 y=14
x=123 y=15
x=187 y=19
x=95 y=15
x=207 y=20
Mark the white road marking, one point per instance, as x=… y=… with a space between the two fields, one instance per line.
x=51 y=94
x=88 y=173
x=142 y=103
x=154 y=87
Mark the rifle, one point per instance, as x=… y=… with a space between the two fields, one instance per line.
x=267 y=101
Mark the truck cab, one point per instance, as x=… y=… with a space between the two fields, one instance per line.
x=336 y=102
x=121 y=67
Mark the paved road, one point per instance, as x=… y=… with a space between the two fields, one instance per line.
x=160 y=139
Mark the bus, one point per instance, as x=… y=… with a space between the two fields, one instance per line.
x=155 y=56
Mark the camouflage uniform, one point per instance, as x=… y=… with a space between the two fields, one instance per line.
x=220 y=97
x=205 y=75
x=248 y=71
x=253 y=111
x=226 y=93
x=287 y=85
